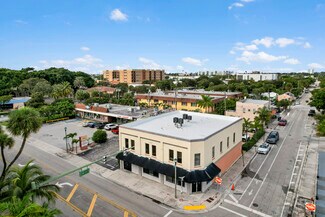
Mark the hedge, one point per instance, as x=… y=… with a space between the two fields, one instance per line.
x=100 y=136
x=248 y=145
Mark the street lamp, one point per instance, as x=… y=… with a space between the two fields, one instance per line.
x=175 y=163
x=66 y=138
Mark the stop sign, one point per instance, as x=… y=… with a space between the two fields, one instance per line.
x=218 y=180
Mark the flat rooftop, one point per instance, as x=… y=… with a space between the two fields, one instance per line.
x=201 y=127
x=18 y=100
x=201 y=91
x=255 y=101
x=123 y=110
x=179 y=95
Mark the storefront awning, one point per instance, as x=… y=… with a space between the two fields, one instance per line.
x=169 y=170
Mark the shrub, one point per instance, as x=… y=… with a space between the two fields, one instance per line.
x=248 y=145
x=100 y=136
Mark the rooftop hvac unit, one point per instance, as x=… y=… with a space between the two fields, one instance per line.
x=189 y=118
x=180 y=121
x=185 y=116
x=175 y=120
x=87 y=107
x=96 y=104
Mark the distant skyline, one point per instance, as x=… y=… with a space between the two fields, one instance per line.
x=175 y=35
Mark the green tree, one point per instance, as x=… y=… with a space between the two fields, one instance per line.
x=246 y=125
x=36 y=101
x=321 y=128
x=79 y=82
x=23 y=122
x=205 y=102
x=283 y=103
x=42 y=87
x=4 y=99
x=82 y=95
x=165 y=84
x=100 y=136
x=5 y=142
x=264 y=115
x=318 y=99
x=62 y=90
x=256 y=124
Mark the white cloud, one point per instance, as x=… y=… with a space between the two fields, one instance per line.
x=179 y=67
x=251 y=47
x=85 y=48
x=118 y=15
x=232 y=52
x=316 y=66
x=307 y=45
x=248 y=57
x=192 y=61
x=85 y=63
x=148 y=63
x=266 y=41
x=291 y=61
x=236 y=4
x=283 y=42
x=247 y=1
x=21 y=22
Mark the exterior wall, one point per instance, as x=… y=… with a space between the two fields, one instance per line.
x=230 y=158
x=18 y=105
x=285 y=97
x=257 y=77
x=246 y=110
x=136 y=169
x=133 y=75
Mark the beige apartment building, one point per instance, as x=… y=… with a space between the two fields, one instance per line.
x=133 y=76
x=203 y=147
x=247 y=108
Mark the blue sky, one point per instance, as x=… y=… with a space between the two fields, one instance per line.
x=176 y=35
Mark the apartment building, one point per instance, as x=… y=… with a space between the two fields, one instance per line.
x=133 y=76
x=178 y=101
x=257 y=76
x=209 y=93
x=202 y=147
x=247 y=108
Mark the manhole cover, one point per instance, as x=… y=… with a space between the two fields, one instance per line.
x=255 y=204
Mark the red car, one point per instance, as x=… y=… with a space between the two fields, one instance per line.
x=115 y=130
x=282 y=122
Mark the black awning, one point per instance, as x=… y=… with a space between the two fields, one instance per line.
x=169 y=170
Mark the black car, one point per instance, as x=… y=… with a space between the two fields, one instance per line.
x=100 y=125
x=273 y=137
x=312 y=112
x=91 y=125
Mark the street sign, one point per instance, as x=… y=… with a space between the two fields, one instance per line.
x=83 y=172
x=218 y=180
x=310 y=207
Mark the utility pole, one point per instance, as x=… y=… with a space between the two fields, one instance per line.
x=66 y=138
x=175 y=161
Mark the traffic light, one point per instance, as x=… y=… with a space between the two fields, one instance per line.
x=105 y=158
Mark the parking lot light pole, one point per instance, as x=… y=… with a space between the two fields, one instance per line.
x=66 y=138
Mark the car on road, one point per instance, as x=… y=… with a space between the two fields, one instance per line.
x=245 y=137
x=115 y=130
x=110 y=126
x=264 y=148
x=282 y=122
x=312 y=112
x=273 y=137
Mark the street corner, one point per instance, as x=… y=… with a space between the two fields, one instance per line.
x=199 y=207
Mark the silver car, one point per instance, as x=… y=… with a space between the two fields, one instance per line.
x=264 y=148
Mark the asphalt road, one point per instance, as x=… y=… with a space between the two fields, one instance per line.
x=260 y=191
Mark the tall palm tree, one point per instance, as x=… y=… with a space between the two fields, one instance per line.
x=205 y=102
x=23 y=122
x=66 y=89
x=246 y=125
x=5 y=142
x=264 y=115
x=256 y=124
x=22 y=179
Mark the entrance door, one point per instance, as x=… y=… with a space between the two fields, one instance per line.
x=196 y=187
x=127 y=166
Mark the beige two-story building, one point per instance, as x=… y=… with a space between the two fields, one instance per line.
x=247 y=108
x=204 y=146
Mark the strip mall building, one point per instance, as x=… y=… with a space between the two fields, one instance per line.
x=203 y=147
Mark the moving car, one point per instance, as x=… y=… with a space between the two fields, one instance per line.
x=264 y=148
x=312 y=112
x=110 y=126
x=282 y=122
x=115 y=130
x=245 y=137
x=273 y=137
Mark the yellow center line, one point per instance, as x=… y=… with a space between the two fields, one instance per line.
x=92 y=205
x=72 y=192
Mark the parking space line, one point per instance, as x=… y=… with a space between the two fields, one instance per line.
x=167 y=214
x=72 y=192
x=233 y=197
x=229 y=210
x=92 y=205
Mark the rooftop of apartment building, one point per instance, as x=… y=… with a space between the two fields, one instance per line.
x=254 y=101
x=204 y=92
x=201 y=127
x=178 y=95
x=134 y=70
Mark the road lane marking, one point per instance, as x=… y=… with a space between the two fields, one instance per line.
x=170 y=212
x=72 y=192
x=247 y=208
x=126 y=214
x=229 y=210
x=92 y=205
x=256 y=174
x=61 y=185
x=75 y=208
x=274 y=160
x=250 y=193
x=233 y=197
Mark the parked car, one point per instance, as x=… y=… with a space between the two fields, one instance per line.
x=100 y=125
x=115 y=130
x=91 y=125
x=264 y=148
x=87 y=124
x=312 y=112
x=273 y=137
x=245 y=137
x=282 y=122
x=110 y=126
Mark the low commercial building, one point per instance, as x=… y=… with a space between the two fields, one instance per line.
x=286 y=96
x=15 y=103
x=209 y=93
x=102 y=89
x=202 y=147
x=133 y=76
x=179 y=101
x=247 y=108
x=257 y=76
x=271 y=95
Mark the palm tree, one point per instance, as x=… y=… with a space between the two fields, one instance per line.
x=66 y=89
x=205 y=102
x=246 y=125
x=5 y=142
x=22 y=179
x=23 y=122
x=25 y=207
x=256 y=124
x=264 y=115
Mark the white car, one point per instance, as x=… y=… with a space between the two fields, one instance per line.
x=264 y=148
x=245 y=137
x=110 y=126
